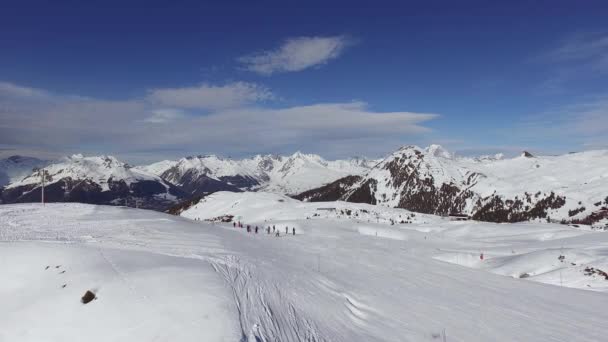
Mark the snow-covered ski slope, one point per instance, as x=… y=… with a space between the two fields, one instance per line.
x=265 y=206
x=167 y=278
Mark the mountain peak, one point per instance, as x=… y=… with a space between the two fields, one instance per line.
x=308 y=157
x=438 y=151
x=297 y=154
x=202 y=156
x=105 y=160
x=409 y=148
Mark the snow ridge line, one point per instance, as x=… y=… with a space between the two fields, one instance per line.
x=255 y=300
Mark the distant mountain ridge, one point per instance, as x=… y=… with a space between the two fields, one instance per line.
x=99 y=180
x=571 y=187
x=106 y=180
x=15 y=168
x=282 y=174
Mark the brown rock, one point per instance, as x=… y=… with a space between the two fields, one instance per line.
x=88 y=297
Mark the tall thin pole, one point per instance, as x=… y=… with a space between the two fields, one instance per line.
x=42 y=196
x=561 y=253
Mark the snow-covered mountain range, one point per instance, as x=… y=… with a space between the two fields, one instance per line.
x=15 y=168
x=571 y=187
x=99 y=179
x=282 y=174
x=106 y=180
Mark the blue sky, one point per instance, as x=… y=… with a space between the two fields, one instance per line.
x=149 y=80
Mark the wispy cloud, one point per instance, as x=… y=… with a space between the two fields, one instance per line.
x=577 y=57
x=78 y=124
x=590 y=47
x=12 y=90
x=207 y=96
x=163 y=116
x=296 y=54
x=581 y=125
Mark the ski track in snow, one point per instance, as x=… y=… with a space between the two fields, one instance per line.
x=249 y=292
x=256 y=300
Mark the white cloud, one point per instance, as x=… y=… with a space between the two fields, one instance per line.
x=582 y=46
x=12 y=90
x=206 y=96
x=581 y=125
x=74 y=124
x=162 y=116
x=296 y=54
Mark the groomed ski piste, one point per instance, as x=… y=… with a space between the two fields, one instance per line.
x=363 y=276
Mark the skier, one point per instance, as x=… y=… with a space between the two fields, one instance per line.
x=248 y=228
x=268 y=230
x=273 y=228
x=481 y=256
x=286 y=230
x=234 y=224
x=256 y=229
x=293 y=230
x=277 y=234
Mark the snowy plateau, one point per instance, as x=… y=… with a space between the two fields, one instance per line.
x=351 y=272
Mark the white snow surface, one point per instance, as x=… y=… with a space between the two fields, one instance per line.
x=264 y=206
x=505 y=248
x=158 y=168
x=282 y=174
x=99 y=169
x=165 y=278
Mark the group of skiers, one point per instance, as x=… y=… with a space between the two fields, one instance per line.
x=239 y=224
